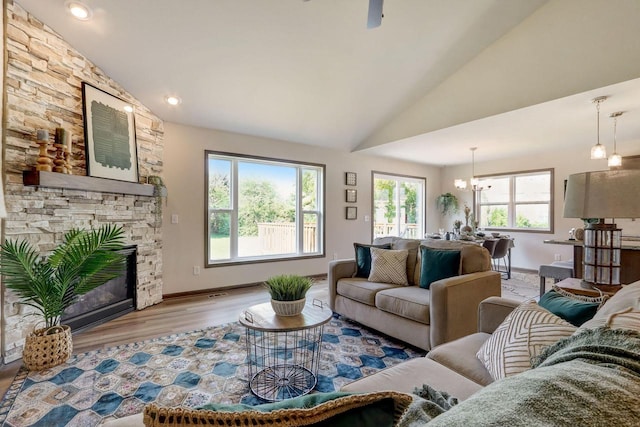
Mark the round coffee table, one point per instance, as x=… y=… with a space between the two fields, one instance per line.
x=283 y=351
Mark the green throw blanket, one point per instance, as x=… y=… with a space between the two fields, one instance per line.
x=589 y=379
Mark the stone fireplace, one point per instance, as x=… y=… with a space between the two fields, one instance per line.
x=115 y=298
x=43 y=82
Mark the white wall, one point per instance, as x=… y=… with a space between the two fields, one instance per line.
x=530 y=251
x=184 y=244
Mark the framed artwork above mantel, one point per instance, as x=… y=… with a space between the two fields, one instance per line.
x=109 y=135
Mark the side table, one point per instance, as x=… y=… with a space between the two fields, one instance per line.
x=283 y=351
x=574 y=286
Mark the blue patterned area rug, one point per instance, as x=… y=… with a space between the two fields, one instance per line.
x=188 y=369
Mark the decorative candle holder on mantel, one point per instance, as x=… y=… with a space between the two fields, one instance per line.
x=60 y=163
x=44 y=161
x=67 y=160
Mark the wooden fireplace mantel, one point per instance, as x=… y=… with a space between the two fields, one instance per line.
x=86 y=183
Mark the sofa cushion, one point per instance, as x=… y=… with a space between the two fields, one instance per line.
x=410 y=302
x=460 y=356
x=406 y=376
x=361 y=290
x=363 y=258
x=523 y=334
x=411 y=246
x=437 y=264
x=389 y=266
x=575 y=309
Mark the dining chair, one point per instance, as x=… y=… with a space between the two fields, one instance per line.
x=500 y=251
x=490 y=245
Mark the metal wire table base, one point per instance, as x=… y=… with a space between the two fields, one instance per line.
x=283 y=353
x=282 y=382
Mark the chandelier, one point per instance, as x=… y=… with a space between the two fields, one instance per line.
x=461 y=184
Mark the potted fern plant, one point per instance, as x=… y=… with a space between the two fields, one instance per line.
x=447 y=203
x=288 y=293
x=84 y=260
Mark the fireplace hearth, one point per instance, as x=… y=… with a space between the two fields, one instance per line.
x=113 y=299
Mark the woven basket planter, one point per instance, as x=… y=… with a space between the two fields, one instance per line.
x=47 y=347
x=288 y=308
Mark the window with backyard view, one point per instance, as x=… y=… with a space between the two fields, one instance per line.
x=519 y=201
x=261 y=209
x=398 y=206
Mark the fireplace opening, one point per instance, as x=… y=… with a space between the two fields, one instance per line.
x=113 y=299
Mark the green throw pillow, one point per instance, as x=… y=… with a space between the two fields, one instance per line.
x=363 y=258
x=570 y=308
x=437 y=264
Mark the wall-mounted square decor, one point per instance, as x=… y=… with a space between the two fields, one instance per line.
x=351 y=196
x=352 y=212
x=109 y=135
x=350 y=178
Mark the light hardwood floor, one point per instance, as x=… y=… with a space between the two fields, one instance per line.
x=169 y=317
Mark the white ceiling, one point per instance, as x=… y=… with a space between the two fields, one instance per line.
x=563 y=123
x=310 y=72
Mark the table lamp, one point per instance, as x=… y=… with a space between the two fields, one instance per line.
x=593 y=197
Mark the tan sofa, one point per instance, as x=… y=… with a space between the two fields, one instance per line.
x=424 y=318
x=453 y=367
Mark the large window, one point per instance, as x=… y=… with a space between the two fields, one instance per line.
x=518 y=201
x=398 y=206
x=262 y=209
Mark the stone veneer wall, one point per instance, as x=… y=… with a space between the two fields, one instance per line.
x=43 y=91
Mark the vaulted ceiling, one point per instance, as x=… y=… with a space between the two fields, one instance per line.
x=437 y=77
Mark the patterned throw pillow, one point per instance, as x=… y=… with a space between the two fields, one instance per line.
x=389 y=266
x=522 y=335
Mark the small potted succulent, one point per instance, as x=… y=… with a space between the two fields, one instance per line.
x=288 y=293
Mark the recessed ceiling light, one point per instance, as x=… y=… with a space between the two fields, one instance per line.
x=128 y=108
x=173 y=100
x=79 y=10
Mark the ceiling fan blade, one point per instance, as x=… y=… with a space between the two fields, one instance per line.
x=375 y=13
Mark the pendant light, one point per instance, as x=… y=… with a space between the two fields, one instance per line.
x=615 y=160
x=598 y=151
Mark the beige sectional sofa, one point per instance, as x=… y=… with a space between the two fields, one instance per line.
x=422 y=317
x=598 y=391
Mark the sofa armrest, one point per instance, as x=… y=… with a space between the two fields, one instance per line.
x=454 y=304
x=339 y=269
x=493 y=311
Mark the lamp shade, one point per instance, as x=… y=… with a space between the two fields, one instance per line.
x=603 y=194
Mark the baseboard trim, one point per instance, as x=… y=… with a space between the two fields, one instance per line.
x=321 y=276
x=524 y=270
